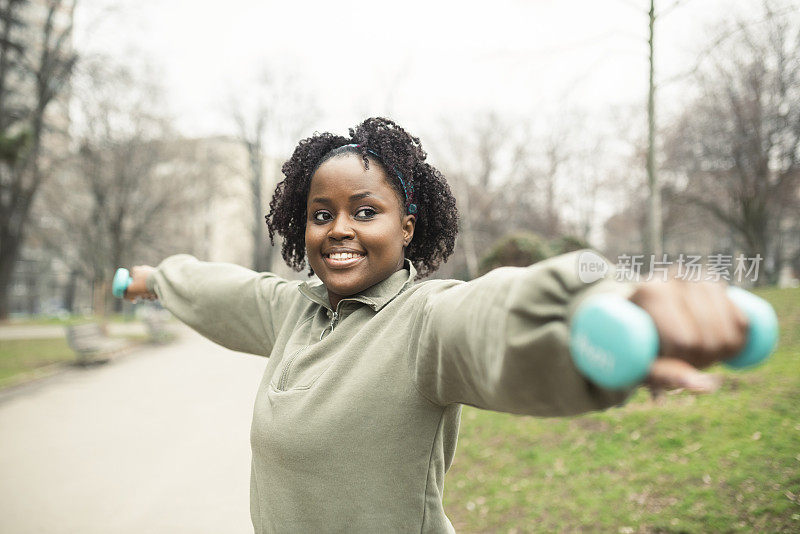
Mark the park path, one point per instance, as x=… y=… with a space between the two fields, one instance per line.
x=157 y=441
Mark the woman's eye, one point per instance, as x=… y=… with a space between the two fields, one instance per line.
x=365 y=213
x=322 y=216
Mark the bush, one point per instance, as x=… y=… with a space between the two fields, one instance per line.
x=516 y=250
x=568 y=243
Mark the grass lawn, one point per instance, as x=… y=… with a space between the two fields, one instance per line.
x=20 y=357
x=728 y=462
x=70 y=319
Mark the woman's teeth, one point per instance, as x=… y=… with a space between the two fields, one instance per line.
x=344 y=255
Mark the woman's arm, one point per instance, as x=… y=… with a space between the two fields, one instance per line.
x=501 y=342
x=235 y=307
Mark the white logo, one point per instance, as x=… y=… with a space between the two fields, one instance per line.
x=591 y=267
x=594 y=357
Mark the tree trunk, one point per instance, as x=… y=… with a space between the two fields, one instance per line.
x=98 y=297
x=8 y=260
x=69 y=291
x=654 y=233
x=31 y=294
x=467 y=232
x=552 y=222
x=256 y=174
x=758 y=245
x=116 y=262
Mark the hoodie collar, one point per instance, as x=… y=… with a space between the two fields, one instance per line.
x=376 y=297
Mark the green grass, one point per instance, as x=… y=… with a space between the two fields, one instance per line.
x=23 y=356
x=728 y=462
x=20 y=359
x=46 y=320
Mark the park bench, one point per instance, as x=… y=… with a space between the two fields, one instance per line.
x=91 y=344
x=156 y=323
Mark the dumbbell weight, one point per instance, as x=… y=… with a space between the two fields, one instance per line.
x=613 y=342
x=122 y=279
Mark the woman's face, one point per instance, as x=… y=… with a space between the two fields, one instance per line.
x=356 y=227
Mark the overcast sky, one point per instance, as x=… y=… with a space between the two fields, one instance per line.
x=419 y=61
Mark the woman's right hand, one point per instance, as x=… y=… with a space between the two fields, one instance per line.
x=138 y=286
x=698 y=325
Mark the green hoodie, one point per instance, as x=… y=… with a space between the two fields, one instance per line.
x=356 y=418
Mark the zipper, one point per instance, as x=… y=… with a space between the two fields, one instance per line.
x=329 y=328
x=286 y=368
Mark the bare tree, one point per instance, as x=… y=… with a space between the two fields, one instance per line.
x=510 y=178
x=547 y=166
x=475 y=161
x=131 y=184
x=738 y=142
x=268 y=121
x=558 y=172
x=36 y=61
x=589 y=177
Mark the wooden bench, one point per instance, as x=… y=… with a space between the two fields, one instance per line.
x=156 y=323
x=91 y=344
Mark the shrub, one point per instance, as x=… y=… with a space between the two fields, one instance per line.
x=516 y=250
x=568 y=243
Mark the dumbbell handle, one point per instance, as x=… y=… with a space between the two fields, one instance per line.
x=122 y=279
x=614 y=342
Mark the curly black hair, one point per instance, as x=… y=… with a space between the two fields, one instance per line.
x=398 y=152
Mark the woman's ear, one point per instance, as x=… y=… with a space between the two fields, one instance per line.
x=408 y=223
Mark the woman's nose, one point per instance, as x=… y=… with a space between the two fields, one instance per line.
x=341 y=229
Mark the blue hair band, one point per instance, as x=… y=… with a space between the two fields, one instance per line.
x=408 y=191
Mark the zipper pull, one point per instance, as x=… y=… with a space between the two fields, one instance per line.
x=329 y=328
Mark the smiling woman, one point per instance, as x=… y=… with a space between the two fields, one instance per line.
x=356 y=419
x=357 y=229
x=384 y=169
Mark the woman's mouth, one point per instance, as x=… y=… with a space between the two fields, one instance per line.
x=342 y=260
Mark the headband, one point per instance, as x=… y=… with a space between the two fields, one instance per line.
x=408 y=191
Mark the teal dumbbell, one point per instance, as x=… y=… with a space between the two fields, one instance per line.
x=614 y=342
x=122 y=279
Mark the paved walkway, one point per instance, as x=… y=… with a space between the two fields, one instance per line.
x=155 y=442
